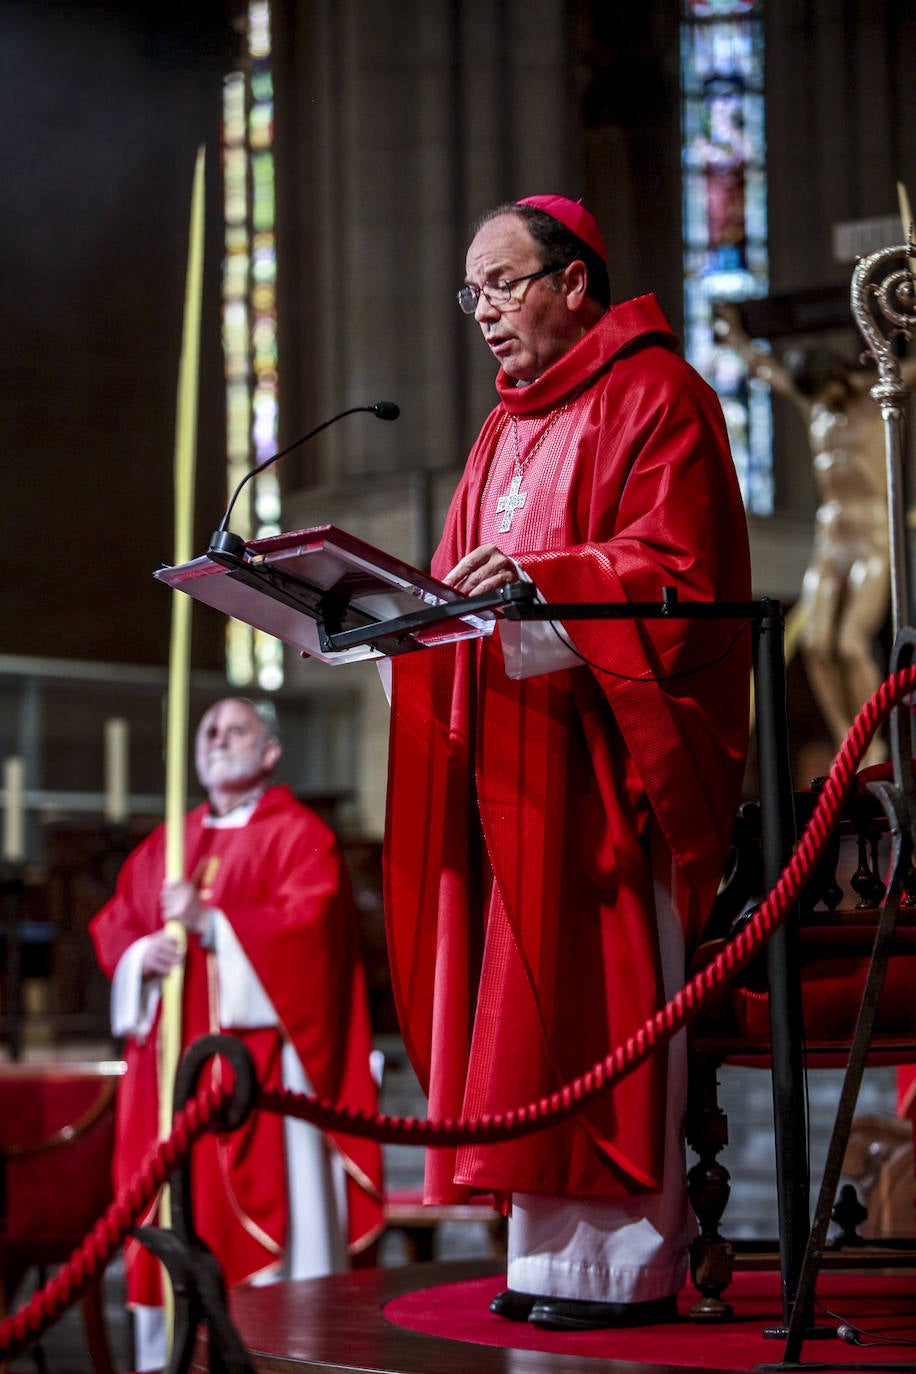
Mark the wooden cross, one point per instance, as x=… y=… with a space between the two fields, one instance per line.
x=510 y=502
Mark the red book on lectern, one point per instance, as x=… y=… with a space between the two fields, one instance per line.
x=293 y=585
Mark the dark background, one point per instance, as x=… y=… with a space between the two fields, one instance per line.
x=103 y=108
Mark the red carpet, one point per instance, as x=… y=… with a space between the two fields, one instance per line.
x=876 y=1304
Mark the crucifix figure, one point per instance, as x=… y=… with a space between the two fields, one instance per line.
x=510 y=502
x=845 y=590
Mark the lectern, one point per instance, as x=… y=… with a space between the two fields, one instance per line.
x=331 y=595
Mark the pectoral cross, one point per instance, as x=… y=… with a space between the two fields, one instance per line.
x=510 y=502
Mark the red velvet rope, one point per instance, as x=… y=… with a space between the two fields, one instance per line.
x=89 y=1259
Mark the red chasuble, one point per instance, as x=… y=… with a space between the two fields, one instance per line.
x=281 y=883
x=519 y=887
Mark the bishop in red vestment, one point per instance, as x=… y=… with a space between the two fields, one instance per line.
x=560 y=804
x=272 y=958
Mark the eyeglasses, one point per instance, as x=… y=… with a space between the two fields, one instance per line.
x=498 y=293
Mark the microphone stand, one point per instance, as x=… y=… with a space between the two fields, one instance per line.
x=232 y=546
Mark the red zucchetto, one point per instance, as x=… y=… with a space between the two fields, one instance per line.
x=574 y=215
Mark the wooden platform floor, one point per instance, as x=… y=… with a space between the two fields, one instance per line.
x=335 y=1326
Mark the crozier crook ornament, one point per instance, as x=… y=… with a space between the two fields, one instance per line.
x=884 y=307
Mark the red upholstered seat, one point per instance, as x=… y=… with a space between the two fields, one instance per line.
x=833 y=967
x=56 y=1145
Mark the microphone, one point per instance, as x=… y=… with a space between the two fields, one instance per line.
x=849 y=1334
x=223 y=540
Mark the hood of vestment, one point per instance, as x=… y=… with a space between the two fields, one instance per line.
x=631 y=324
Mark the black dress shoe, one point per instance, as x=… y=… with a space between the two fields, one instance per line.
x=515 y=1307
x=566 y=1314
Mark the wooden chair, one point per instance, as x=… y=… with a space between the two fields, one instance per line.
x=826 y=955
x=56 y=1143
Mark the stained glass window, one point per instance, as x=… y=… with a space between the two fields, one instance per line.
x=725 y=214
x=249 y=288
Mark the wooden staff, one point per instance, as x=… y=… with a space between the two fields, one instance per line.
x=176 y=770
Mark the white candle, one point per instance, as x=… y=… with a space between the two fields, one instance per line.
x=14 y=810
x=116 y=770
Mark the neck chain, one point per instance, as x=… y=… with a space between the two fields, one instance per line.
x=522 y=463
x=513 y=499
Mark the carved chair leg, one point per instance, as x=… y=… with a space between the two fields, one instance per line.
x=708 y=1190
x=96 y=1331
